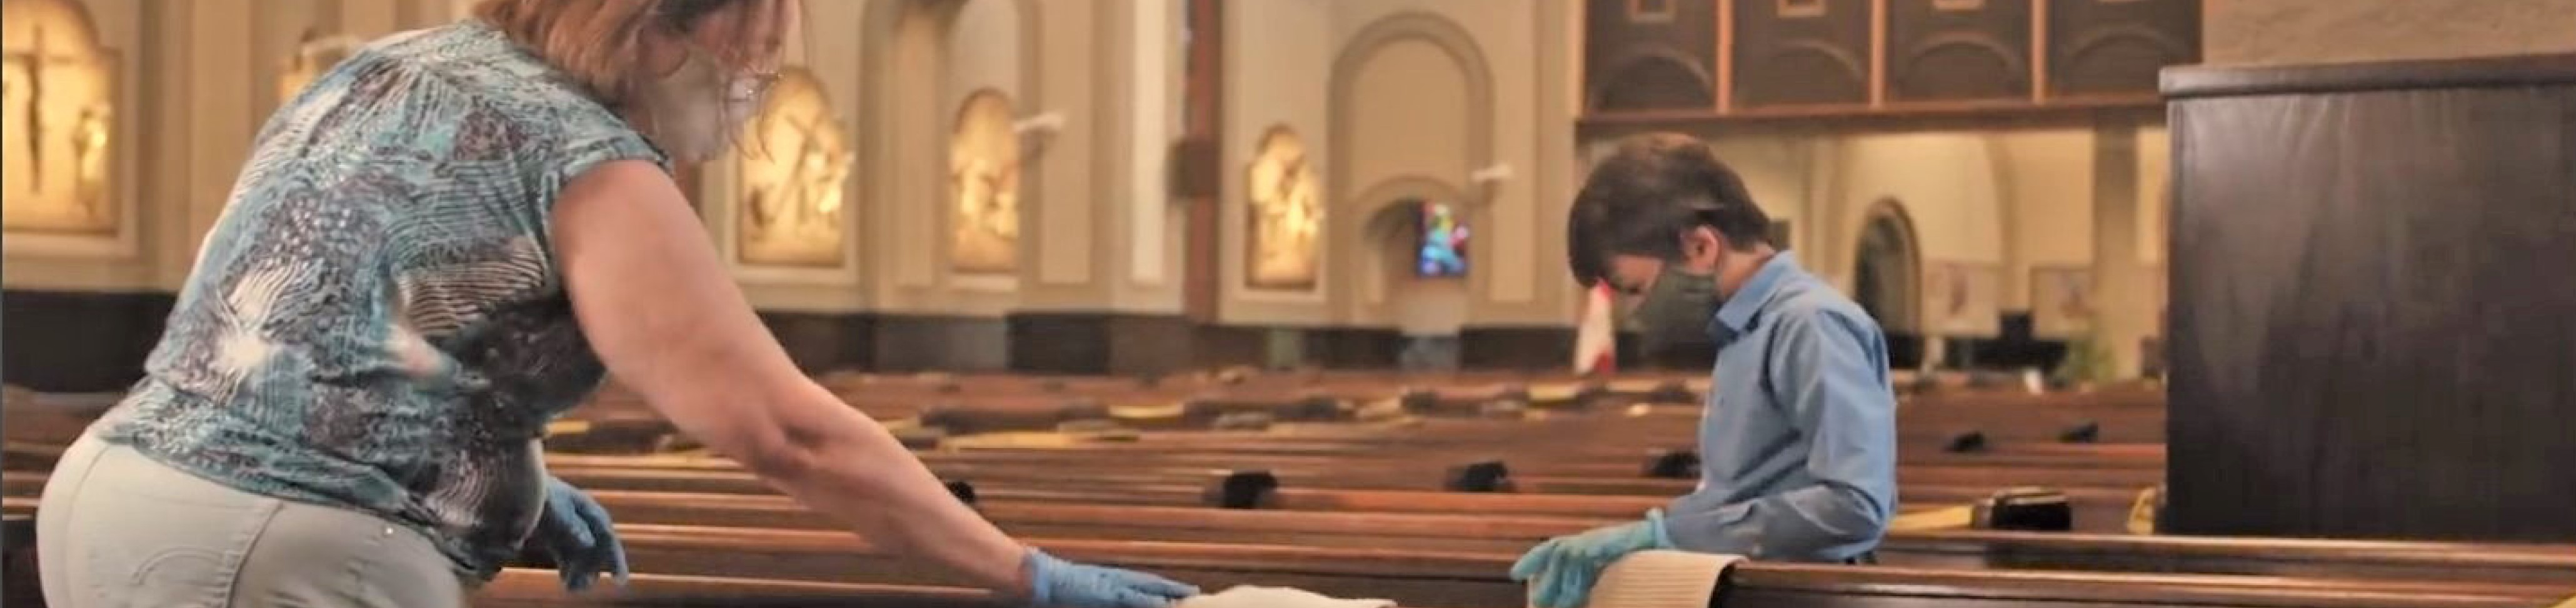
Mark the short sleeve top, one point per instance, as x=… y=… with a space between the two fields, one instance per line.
x=377 y=321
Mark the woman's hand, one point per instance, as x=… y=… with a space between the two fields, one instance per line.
x=577 y=532
x=1062 y=584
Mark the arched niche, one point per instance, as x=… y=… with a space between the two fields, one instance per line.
x=984 y=186
x=1383 y=286
x=1283 y=223
x=909 y=107
x=1887 y=268
x=1363 y=167
x=791 y=178
x=57 y=121
x=1420 y=273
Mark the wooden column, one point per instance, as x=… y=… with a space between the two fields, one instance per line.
x=2118 y=277
x=2374 y=332
x=1200 y=158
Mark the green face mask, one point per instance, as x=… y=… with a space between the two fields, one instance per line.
x=1677 y=308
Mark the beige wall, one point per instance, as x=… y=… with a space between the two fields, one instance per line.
x=1401 y=99
x=1430 y=91
x=2013 y=199
x=1394 y=98
x=2048 y=178
x=196 y=78
x=2269 y=32
x=1278 y=63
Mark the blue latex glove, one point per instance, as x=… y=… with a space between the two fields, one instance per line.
x=577 y=532
x=1062 y=584
x=1564 y=568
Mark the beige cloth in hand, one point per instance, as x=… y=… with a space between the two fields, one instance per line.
x=1660 y=579
x=1275 y=597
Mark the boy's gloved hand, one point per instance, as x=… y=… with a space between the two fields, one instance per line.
x=1564 y=568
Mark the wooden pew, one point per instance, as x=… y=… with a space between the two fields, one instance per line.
x=1430 y=578
x=524 y=588
x=1508 y=535
x=1758 y=587
x=1512 y=534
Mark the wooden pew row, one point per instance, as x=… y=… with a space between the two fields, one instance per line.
x=1512 y=534
x=1430 y=578
x=2095 y=510
x=527 y=588
x=1763 y=586
x=1612 y=463
x=1571 y=446
x=1555 y=435
x=1509 y=535
x=895 y=400
x=1613 y=470
x=1040 y=412
x=1432 y=476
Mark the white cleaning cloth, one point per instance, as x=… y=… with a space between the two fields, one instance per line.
x=1275 y=597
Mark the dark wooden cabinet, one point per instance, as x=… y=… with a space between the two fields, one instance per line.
x=1665 y=62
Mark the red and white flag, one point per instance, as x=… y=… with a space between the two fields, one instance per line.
x=1595 y=338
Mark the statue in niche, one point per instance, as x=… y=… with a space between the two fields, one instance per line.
x=57 y=105
x=794 y=172
x=314 y=54
x=1286 y=220
x=984 y=176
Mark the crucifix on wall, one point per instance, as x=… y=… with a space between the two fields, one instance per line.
x=55 y=104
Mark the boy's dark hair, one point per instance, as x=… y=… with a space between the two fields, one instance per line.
x=1655 y=187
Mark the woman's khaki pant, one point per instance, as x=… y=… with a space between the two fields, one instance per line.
x=119 y=530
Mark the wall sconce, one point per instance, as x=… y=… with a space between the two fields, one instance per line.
x=1488 y=180
x=1046 y=123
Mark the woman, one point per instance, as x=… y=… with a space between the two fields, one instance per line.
x=436 y=248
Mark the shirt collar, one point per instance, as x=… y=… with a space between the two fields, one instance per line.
x=1736 y=315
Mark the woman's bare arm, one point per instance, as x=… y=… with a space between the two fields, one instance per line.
x=667 y=318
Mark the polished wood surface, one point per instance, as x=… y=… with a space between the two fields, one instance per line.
x=2370 y=329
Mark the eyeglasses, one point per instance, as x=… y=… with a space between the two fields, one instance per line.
x=752 y=87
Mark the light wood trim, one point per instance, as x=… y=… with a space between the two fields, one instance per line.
x=1725 y=56
x=2039 y=51
x=1638 y=13
x=1877 y=53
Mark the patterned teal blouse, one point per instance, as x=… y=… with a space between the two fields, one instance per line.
x=377 y=321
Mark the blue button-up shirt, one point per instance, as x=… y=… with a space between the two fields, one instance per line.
x=1798 y=442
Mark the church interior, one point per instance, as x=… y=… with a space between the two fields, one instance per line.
x=2206 y=303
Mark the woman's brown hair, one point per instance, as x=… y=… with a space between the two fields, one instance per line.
x=598 y=42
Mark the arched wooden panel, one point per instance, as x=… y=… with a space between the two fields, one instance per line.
x=1809 y=72
x=2117 y=46
x=2118 y=60
x=1960 y=65
x=1801 y=52
x=1941 y=50
x=1654 y=79
x=1617 y=34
